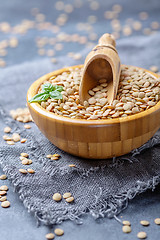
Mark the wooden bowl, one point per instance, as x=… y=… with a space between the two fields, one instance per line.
x=95 y=139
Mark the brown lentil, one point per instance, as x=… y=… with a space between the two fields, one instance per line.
x=2 y=193
x=2 y=199
x=70 y=199
x=141 y=235
x=10 y=143
x=126 y=229
x=7 y=138
x=138 y=91
x=23 y=140
x=50 y=236
x=27 y=126
x=57 y=197
x=4 y=188
x=59 y=231
x=26 y=155
x=56 y=155
x=22 y=171
x=3 y=177
x=67 y=195
x=154 y=69
x=54 y=158
x=30 y=171
x=25 y=161
x=7 y=129
x=126 y=223
x=29 y=161
x=5 y=204
x=16 y=137
x=144 y=223
x=157 y=221
x=72 y=165
x=22 y=158
x=21 y=114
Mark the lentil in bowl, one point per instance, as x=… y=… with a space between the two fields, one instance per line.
x=138 y=91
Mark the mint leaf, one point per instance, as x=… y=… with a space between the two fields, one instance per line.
x=56 y=95
x=49 y=91
x=47 y=87
x=58 y=88
x=40 y=97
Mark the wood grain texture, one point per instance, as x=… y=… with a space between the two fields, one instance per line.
x=95 y=139
x=102 y=62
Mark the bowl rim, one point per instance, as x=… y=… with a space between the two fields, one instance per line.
x=42 y=111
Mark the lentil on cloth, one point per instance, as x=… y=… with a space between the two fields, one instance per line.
x=57 y=197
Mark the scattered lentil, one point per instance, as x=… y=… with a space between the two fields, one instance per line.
x=10 y=142
x=7 y=138
x=155 y=25
x=26 y=155
x=154 y=69
x=27 y=126
x=29 y=161
x=126 y=229
x=5 y=204
x=56 y=155
x=50 y=236
x=57 y=197
x=59 y=231
x=4 y=188
x=16 y=137
x=2 y=199
x=30 y=170
x=25 y=162
x=157 y=221
x=127 y=223
x=3 y=177
x=144 y=223
x=141 y=235
x=72 y=165
x=67 y=195
x=23 y=140
x=70 y=199
x=143 y=15
x=21 y=114
x=22 y=158
x=7 y=129
x=54 y=158
x=22 y=171
x=2 y=193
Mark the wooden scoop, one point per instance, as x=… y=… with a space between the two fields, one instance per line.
x=102 y=62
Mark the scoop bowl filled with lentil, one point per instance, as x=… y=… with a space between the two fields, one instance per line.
x=97 y=129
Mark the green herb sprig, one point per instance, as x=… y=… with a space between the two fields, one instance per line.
x=48 y=91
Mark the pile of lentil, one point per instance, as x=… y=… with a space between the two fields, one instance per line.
x=138 y=91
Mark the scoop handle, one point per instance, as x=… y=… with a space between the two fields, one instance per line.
x=107 y=39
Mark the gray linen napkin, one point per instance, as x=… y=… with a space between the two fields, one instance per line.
x=101 y=188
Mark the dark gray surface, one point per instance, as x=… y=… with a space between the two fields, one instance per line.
x=16 y=223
